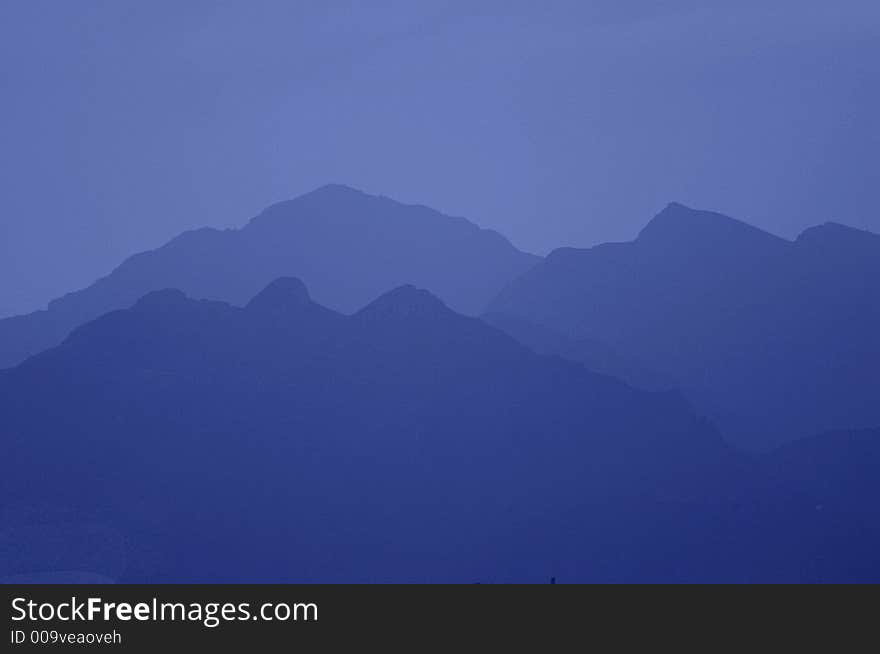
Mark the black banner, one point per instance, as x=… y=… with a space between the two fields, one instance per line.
x=148 y=618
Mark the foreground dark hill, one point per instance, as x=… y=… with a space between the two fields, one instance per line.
x=184 y=440
x=346 y=245
x=773 y=339
x=839 y=470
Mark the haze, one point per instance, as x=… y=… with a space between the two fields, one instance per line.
x=556 y=123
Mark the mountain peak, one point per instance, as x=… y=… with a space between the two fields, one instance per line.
x=404 y=302
x=352 y=246
x=284 y=292
x=334 y=193
x=680 y=223
x=162 y=299
x=676 y=207
x=334 y=200
x=334 y=188
x=831 y=232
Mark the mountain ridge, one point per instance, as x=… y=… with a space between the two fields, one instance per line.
x=347 y=245
x=344 y=449
x=737 y=316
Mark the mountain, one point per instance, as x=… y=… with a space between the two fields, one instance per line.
x=190 y=440
x=596 y=356
x=346 y=245
x=772 y=339
x=838 y=470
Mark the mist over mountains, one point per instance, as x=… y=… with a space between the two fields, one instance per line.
x=772 y=339
x=438 y=291
x=346 y=245
x=284 y=441
x=351 y=389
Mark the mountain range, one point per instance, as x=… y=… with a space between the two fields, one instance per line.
x=346 y=245
x=352 y=389
x=772 y=339
x=192 y=440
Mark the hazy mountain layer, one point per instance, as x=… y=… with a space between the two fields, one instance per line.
x=773 y=339
x=346 y=245
x=184 y=440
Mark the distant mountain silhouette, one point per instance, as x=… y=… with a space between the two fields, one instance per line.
x=190 y=440
x=771 y=338
x=346 y=245
x=596 y=356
